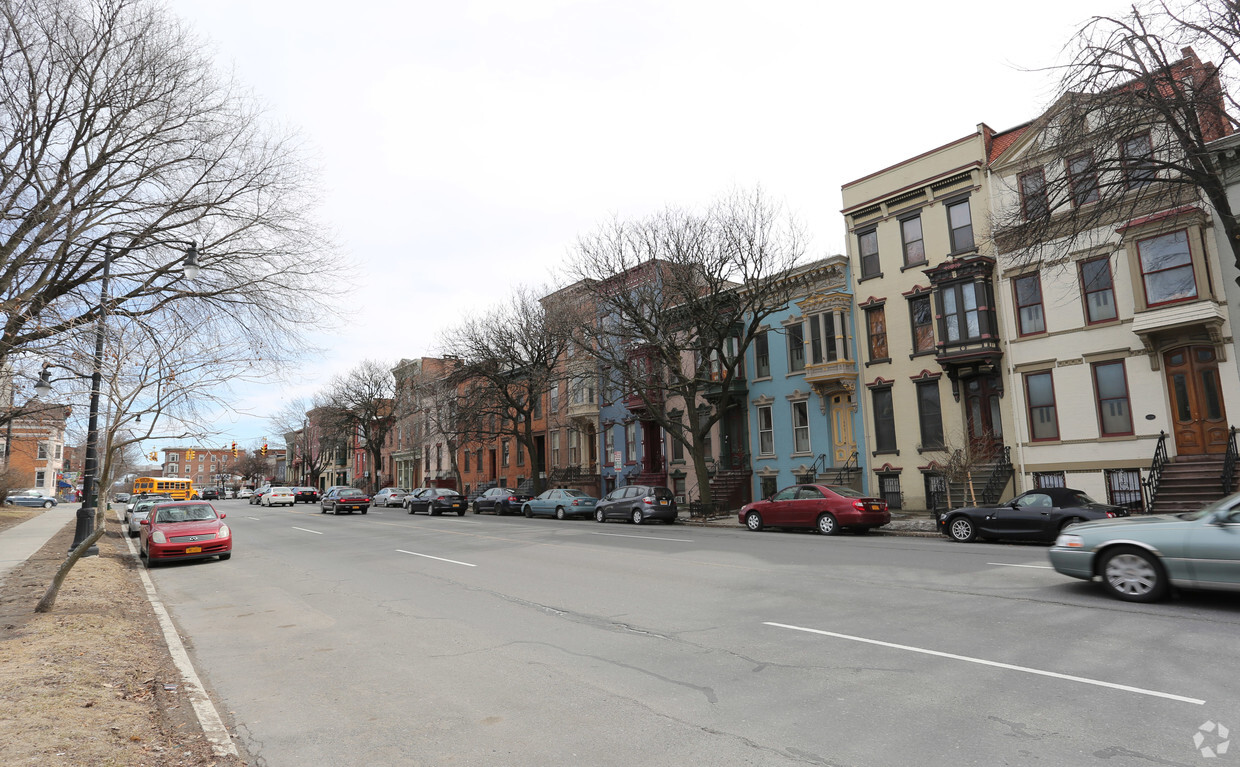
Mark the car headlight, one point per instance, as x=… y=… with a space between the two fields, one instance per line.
x=224 y=532
x=159 y=537
x=1069 y=541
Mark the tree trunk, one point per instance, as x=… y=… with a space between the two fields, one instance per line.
x=49 y=597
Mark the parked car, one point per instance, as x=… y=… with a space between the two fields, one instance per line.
x=245 y=492
x=390 y=496
x=133 y=499
x=230 y=493
x=827 y=508
x=278 y=496
x=181 y=530
x=637 y=503
x=435 y=501
x=1141 y=558
x=340 y=499
x=120 y=498
x=209 y=493
x=560 y=503
x=305 y=495
x=257 y=497
x=34 y=497
x=1038 y=515
x=141 y=511
x=500 y=500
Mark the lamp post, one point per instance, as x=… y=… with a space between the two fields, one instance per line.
x=90 y=468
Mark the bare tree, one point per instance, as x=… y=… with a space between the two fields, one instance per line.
x=1129 y=131
x=119 y=136
x=310 y=445
x=679 y=298
x=509 y=359
x=362 y=401
x=252 y=467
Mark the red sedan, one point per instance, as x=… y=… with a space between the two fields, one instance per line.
x=826 y=507
x=184 y=530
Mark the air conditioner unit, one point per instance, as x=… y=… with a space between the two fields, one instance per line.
x=680 y=499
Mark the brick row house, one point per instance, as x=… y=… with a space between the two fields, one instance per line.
x=34 y=446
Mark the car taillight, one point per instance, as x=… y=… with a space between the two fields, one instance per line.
x=512 y=499
x=1110 y=514
x=648 y=500
x=858 y=505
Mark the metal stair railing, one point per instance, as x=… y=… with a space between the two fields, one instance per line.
x=1000 y=474
x=1150 y=484
x=844 y=475
x=1229 y=463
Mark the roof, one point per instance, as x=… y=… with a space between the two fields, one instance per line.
x=999 y=142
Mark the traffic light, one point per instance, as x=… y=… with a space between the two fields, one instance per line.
x=264 y=448
x=189 y=454
x=234 y=449
x=154 y=456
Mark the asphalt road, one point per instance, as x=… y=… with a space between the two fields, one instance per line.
x=390 y=639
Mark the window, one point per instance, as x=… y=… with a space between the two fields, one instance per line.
x=1040 y=393
x=889 y=487
x=1029 y=316
x=914 y=246
x=630 y=442
x=867 y=245
x=553 y=397
x=826 y=337
x=609 y=443
x=1167 y=268
x=520 y=456
x=762 y=356
x=40 y=478
x=678 y=488
x=800 y=427
x=1124 y=488
x=1136 y=154
x=555 y=448
x=439 y=456
x=1111 y=389
x=174 y=457
x=574 y=447
x=876 y=323
x=884 y=421
x=1098 y=290
x=466 y=463
x=922 y=320
x=960 y=224
x=1047 y=479
x=766 y=431
x=796 y=347
x=59 y=451
x=1083 y=179
x=503 y=461
x=961 y=320
x=43 y=451
x=678 y=449
x=930 y=414
x=537 y=409
x=1033 y=200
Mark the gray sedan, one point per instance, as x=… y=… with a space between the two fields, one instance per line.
x=33 y=497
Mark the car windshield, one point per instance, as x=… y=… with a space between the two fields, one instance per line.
x=1083 y=498
x=846 y=492
x=576 y=494
x=350 y=491
x=448 y=493
x=1223 y=504
x=194 y=513
x=280 y=490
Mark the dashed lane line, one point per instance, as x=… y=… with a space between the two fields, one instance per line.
x=441 y=559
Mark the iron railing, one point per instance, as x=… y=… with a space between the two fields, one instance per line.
x=1150 y=483
x=1000 y=474
x=844 y=475
x=1229 y=463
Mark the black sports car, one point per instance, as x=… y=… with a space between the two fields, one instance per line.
x=1037 y=515
x=436 y=501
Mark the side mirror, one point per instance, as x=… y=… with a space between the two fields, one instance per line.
x=144 y=521
x=223 y=515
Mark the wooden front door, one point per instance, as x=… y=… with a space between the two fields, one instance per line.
x=843 y=444
x=982 y=411
x=1197 y=413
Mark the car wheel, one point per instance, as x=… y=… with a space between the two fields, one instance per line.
x=827 y=525
x=529 y=513
x=753 y=520
x=559 y=513
x=48 y=504
x=322 y=510
x=433 y=512
x=961 y=529
x=637 y=516
x=1070 y=521
x=599 y=516
x=365 y=510
x=410 y=509
x=225 y=557
x=1133 y=575
x=476 y=507
x=335 y=511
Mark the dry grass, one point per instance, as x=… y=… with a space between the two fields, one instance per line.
x=84 y=684
x=11 y=516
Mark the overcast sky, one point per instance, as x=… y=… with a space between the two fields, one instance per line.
x=465 y=145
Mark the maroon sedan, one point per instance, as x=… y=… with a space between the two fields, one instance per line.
x=184 y=530
x=826 y=507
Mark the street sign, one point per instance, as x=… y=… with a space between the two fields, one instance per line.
x=616 y=458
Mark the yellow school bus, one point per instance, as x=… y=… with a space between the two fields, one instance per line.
x=175 y=487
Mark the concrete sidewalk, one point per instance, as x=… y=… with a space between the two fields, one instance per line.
x=21 y=541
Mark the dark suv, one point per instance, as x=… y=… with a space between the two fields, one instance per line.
x=305 y=495
x=501 y=500
x=638 y=503
x=209 y=493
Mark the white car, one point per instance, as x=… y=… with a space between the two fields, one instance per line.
x=278 y=496
x=245 y=492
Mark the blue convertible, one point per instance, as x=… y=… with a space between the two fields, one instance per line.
x=561 y=503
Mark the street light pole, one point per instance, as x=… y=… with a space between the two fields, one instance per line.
x=86 y=512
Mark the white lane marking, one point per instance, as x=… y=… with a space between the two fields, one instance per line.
x=996 y=664
x=304 y=530
x=1009 y=564
x=441 y=559
x=208 y=718
x=644 y=537
x=256 y=519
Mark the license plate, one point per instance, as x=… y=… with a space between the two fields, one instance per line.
x=662 y=503
x=194 y=550
x=456 y=505
x=875 y=507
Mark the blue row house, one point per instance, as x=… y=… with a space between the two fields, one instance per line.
x=804 y=420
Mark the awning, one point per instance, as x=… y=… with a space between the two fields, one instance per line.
x=63 y=484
